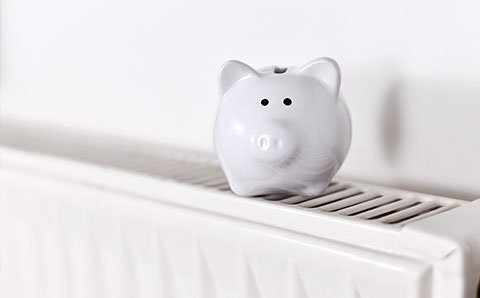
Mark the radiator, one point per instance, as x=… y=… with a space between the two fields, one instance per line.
x=86 y=215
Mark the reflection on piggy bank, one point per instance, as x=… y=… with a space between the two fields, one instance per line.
x=281 y=130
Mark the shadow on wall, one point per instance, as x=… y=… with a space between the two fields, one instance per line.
x=430 y=133
x=391 y=130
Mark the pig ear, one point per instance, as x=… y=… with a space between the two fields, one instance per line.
x=232 y=72
x=325 y=70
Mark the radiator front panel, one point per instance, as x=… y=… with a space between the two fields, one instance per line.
x=65 y=239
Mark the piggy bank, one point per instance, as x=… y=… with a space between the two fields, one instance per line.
x=281 y=130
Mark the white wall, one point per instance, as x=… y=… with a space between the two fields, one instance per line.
x=145 y=68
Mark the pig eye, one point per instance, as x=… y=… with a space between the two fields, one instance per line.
x=264 y=102
x=287 y=101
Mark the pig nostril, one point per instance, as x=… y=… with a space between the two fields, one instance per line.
x=263 y=142
x=278 y=143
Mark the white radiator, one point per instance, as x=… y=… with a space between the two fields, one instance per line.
x=93 y=216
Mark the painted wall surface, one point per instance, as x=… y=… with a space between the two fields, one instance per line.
x=147 y=69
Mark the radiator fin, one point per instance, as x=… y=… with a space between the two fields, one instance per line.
x=202 y=170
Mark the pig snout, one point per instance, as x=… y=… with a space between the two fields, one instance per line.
x=272 y=144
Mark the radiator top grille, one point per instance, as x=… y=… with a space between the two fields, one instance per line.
x=347 y=199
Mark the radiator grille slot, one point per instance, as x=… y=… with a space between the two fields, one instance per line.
x=394 y=210
x=374 y=206
x=351 y=201
x=342 y=199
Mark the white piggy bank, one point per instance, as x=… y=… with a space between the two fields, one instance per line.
x=281 y=130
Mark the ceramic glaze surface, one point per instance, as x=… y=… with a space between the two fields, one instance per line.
x=281 y=130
